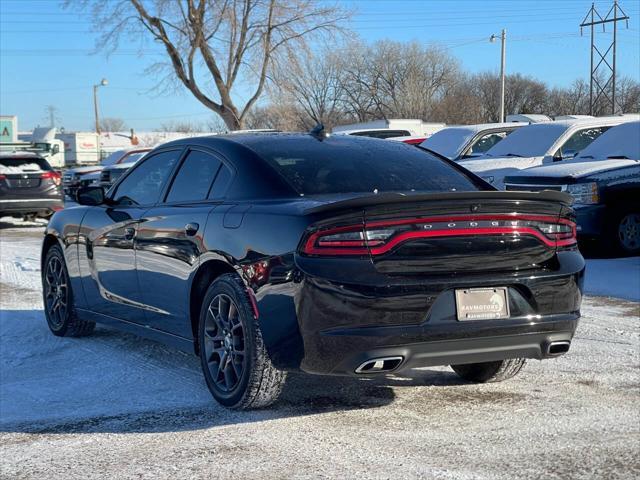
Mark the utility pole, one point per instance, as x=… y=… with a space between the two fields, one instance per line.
x=608 y=58
x=103 y=83
x=503 y=39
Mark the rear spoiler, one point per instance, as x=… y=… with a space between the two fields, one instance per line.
x=479 y=196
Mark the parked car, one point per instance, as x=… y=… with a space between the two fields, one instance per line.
x=340 y=255
x=409 y=139
x=540 y=144
x=394 y=127
x=111 y=173
x=604 y=181
x=468 y=141
x=29 y=187
x=75 y=178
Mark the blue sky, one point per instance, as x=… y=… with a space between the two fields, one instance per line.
x=44 y=57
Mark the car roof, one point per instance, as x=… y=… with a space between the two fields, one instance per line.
x=14 y=154
x=478 y=127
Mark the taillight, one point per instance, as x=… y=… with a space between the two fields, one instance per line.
x=380 y=237
x=3 y=177
x=55 y=176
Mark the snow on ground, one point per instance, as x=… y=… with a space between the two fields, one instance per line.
x=614 y=277
x=116 y=406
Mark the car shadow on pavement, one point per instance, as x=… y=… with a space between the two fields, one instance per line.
x=113 y=382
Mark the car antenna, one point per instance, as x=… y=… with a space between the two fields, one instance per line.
x=318 y=132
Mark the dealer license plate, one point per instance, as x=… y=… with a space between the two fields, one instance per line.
x=482 y=303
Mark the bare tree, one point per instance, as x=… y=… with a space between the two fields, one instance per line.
x=394 y=79
x=181 y=127
x=314 y=86
x=111 y=124
x=628 y=95
x=217 y=42
x=570 y=100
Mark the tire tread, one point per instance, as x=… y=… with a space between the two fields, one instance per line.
x=490 y=372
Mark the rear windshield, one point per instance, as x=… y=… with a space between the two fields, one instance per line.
x=23 y=165
x=354 y=165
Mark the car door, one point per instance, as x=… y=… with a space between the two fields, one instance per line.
x=170 y=242
x=107 y=254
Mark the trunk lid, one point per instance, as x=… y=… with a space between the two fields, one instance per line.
x=454 y=232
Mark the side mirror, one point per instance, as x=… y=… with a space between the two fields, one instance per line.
x=91 y=196
x=55 y=149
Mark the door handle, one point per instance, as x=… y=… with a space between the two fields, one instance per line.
x=191 y=229
x=129 y=233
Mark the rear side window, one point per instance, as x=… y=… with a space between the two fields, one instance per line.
x=341 y=165
x=10 y=165
x=383 y=133
x=193 y=180
x=221 y=183
x=485 y=143
x=579 y=141
x=144 y=184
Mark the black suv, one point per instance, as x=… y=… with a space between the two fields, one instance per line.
x=29 y=187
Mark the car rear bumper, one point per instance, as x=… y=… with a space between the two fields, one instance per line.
x=423 y=345
x=23 y=206
x=328 y=327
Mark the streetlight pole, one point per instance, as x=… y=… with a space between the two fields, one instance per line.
x=103 y=83
x=503 y=39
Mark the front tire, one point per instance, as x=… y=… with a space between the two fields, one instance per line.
x=488 y=372
x=58 y=298
x=625 y=231
x=235 y=363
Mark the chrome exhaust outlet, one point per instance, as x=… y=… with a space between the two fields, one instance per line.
x=555 y=349
x=378 y=365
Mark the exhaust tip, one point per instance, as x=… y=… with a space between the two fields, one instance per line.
x=555 y=349
x=378 y=365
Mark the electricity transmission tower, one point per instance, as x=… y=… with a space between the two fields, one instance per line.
x=52 y=114
x=606 y=60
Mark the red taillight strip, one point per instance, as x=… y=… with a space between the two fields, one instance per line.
x=469 y=218
x=347 y=247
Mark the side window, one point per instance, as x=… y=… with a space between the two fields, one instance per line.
x=221 y=184
x=485 y=142
x=577 y=142
x=144 y=184
x=194 y=178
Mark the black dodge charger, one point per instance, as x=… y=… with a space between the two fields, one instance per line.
x=334 y=255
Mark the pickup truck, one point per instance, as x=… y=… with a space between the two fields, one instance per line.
x=604 y=180
x=540 y=144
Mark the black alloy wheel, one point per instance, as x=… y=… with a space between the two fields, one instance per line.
x=56 y=292
x=224 y=343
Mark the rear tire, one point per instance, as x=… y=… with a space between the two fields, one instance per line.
x=235 y=363
x=57 y=295
x=488 y=372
